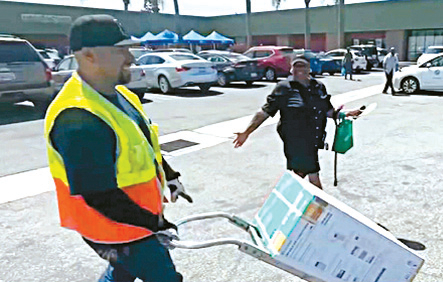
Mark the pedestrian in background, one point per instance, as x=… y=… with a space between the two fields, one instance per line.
x=105 y=158
x=390 y=65
x=347 y=63
x=304 y=105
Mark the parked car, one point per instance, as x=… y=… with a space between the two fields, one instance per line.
x=169 y=70
x=320 y=63
x=427 y=76
x=370 y=53
x=275 y=60
x=184 y=50
x=24 y=76
x=233 y=67
x=63 y=71
x=50 y=56
x=328 y=64
x=430 y=53
x=359 y=62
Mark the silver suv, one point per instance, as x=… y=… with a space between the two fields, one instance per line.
x=24 y=76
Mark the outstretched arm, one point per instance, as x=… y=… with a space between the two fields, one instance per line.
x=256 y=121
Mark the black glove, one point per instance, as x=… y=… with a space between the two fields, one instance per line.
x=177 y=189
x=163 y=224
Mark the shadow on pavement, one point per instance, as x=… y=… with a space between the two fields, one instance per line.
x=21 y=112
x=420 y=93
x=188 y=93
x=242 y=85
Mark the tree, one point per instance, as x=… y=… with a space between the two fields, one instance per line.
x=126 y=3
x=307 y=26
x=152 y=6
x=248 y=25
x=276 y=3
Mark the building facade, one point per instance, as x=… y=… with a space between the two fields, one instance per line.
x=408 y=25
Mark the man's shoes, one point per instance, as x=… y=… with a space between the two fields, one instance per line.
x=384 y=92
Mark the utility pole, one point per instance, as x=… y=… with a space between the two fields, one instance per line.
x=341 y=23
x=177 y=19
x=248 y=24
x=307 y=26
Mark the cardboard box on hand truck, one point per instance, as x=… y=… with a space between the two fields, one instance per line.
x=322 y=239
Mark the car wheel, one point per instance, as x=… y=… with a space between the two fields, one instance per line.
x=270 y=74
x=331 y=73
x=164 y=85
x=249 y=82
x=368 y=67
x=222 y=80
x=410 y=85
x=205 y=87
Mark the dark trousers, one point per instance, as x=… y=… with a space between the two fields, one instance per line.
x=145 y=259
x=389 y=82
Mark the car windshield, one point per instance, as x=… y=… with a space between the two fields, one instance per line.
x=44 y=54
x=287 y=51
x=17 y=52
x=183 y=57
x=434 y=50
x=137 y=53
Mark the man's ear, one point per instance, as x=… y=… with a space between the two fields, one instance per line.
x=89 y=55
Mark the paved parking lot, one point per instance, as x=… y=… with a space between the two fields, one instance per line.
x=392 y=175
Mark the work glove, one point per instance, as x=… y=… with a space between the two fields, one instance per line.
x=167 y=232
x=177 y=189
x=163 y=224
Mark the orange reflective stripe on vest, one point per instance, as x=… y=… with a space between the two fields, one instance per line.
x=99 y=228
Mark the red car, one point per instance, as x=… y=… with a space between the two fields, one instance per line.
x=275 y=60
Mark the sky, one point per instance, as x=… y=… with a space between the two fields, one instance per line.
x=195 y=7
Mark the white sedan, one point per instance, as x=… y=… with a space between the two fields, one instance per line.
x=428 y=76
x=359 y=62
x=169 y=70
x=63 y=71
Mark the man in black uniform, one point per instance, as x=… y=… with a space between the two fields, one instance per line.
x=304 y=105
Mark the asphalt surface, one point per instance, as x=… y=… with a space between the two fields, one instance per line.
x=392 y=175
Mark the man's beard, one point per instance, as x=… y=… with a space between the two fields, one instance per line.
x=124 y=77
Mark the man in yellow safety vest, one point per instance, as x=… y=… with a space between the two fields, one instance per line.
x=105 y=158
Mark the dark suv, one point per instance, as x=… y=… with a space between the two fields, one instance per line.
x=24 y=76
x=275 y=60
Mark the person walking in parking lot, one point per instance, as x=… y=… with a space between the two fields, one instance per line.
x=347 y=63
x=390 y=65
x=105 y=158
x=304 y=105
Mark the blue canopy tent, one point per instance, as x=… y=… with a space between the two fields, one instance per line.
x=216 y=37
x=166 y=36
x=148 y=37
x=194 y=37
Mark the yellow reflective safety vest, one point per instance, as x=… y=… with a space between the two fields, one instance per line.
x=135 y=164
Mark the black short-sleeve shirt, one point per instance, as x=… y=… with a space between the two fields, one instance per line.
x=303 y=112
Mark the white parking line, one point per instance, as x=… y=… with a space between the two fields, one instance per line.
x=34 y=182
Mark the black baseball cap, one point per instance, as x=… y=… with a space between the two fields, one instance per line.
x=300 y=59
x=98 y=31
